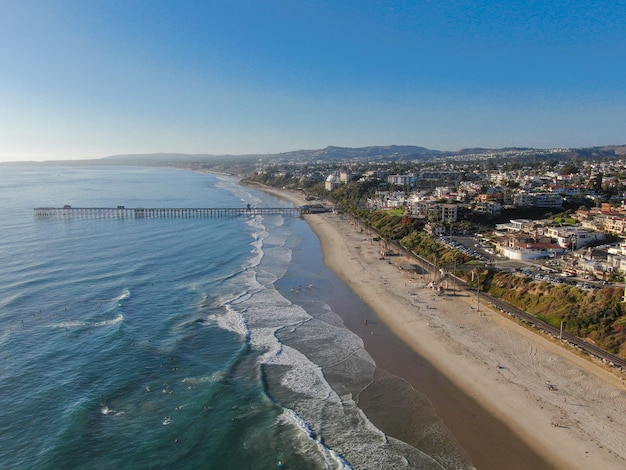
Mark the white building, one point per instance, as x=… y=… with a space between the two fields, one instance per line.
x=488 y=208
x=345 y=177
x=332 y=182
x=573 y=238
x=402 y=180
x=526 y=254
x=543 y=200
x=548 y=200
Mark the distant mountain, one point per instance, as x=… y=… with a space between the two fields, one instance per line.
x=147 y=158
x=140 y=159
x=479 y=150
x=348 y=153
x=616 y=149
x=242 y=163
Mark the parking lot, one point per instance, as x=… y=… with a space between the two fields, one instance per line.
x=481 y=250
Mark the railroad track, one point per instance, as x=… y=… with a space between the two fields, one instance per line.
x=575 y=341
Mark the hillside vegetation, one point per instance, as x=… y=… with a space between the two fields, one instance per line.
x=597 y=315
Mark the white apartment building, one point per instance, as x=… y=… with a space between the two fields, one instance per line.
x=345 y=177
x=548 y=200
x=332 y=182
x=615 y=224
x=573 y=238
x=402 y=180
x=489 y=208
x=544 y=200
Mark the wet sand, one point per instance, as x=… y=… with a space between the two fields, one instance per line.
x=489 y=442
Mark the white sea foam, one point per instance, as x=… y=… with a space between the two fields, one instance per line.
x=72 y=324
x=123 y=296
x=318 y=405
x=68 y=324
x=318 y=409
x=244 y=194
x=332 y=459
x=119 y=318
x=106 y=411
x=231 y=320
x=303 y=377
x=207 y=379
x=273 y=242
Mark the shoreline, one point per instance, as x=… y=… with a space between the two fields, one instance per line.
x=485 y=375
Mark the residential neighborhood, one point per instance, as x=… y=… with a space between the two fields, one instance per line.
x=529 y=205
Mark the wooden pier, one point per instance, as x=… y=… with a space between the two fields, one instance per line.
x=122 y=212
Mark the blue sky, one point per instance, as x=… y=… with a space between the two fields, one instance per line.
x=82 y=79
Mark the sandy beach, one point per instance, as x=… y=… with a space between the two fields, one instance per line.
x=512 y=398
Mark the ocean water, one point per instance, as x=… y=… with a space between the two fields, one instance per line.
x=177 y=342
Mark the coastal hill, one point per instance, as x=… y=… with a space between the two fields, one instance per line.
x=370 y=153
x=245 y=164
x=241 y=164
x=328 y=154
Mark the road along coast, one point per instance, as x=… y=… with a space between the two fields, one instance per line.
x=512 y=398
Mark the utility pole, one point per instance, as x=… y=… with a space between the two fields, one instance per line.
x=477 y=289
x=454 y=278
x=478 y=294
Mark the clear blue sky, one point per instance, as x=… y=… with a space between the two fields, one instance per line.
x=93 y=78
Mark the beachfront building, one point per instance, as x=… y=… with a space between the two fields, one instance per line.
x=442 y=192
x=593 y=260
x=374 y=175
x=606 y=217
x=435 y=229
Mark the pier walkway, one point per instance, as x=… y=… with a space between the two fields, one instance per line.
x=122 y=212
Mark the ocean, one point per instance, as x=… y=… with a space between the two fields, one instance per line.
x=187 y=343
